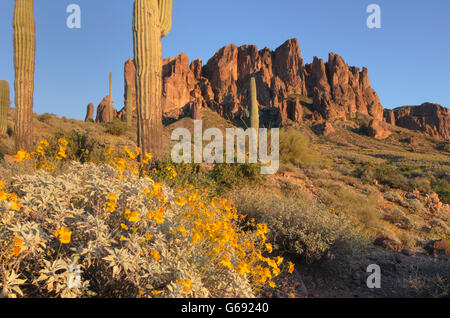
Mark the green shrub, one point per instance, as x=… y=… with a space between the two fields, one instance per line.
x=303 y=227
x=78 y=142
x=116 y=128
x=45 y=117
x=399 y=218
x=393 y=197
x=441 y=185
x=295 y=148
x=229 y=176
x=440 y=227
x=187 y=173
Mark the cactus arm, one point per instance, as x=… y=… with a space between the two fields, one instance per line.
x=165 y=10
x=4 y=105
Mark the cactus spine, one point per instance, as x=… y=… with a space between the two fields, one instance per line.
x=4 y=105
x=24 y=55
x=151 y=21
x=254 y=110
x=110 y=105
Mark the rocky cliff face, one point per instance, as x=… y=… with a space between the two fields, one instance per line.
x=283 y=80
x=431 y=119
x=281 y=77
x=341 y=91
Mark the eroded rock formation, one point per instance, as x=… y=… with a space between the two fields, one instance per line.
x=431 y=119
x=337 y=90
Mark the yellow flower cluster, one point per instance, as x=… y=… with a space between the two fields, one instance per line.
x=187 y=285
x=64 y=235
x=62 y=149
x=111 y=203
x=10 y=197
x=212 y=225
x=126 y=160
x=39 y=154
x=17 y=246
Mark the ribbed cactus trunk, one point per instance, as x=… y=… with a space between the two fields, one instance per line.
x=24 y=55
x=4 y=105
x=254 y=110
x=110 y=105
x=129 y=107
x=151 y=22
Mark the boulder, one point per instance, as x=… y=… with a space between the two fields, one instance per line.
x=387 y=243
x=377 y=130
x=437 y=248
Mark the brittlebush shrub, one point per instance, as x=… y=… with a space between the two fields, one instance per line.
x=229 y=176
x=302 y=227
x=109 y=231
x=116 y=128
x=295 y=148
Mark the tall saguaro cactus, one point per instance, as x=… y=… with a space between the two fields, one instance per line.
x=129 y=107
x=152 y=20
x=24 y=55
x=254 y=110
x=4 y=105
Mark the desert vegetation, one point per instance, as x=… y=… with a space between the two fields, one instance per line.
x=98 y=208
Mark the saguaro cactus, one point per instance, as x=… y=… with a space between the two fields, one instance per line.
x=129 y=106
x=254 y=110
x=24 y=55
x=4 y=105
x=152 y=20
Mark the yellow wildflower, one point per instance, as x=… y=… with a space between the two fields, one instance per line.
x=17 y=246
x=182 y=230
x=180 y=201
x=243 y=268
x=16 y=206
x=63 y=141
x=156 y=292
x=156 y=255
x=291 y=268
x=196 y=237
x=64 y=235
x=134 y=217
x=226 y=263
x=147 y=158
x=20 y=156
x=186 y=283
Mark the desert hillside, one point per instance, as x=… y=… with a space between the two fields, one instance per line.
x=342 y=200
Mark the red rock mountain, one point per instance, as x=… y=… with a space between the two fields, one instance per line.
x=222 y=84
x=283 y=80
x=431 y=119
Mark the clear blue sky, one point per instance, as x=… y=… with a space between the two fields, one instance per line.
x=408 y=58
